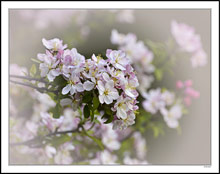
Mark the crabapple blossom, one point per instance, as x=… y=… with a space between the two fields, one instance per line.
x=118 y=59
x=110 y=138
x=107 y=92
x=172 y=115
x=112 y=77
x=199 y=59
x=185 y=36
x=188 y=91
x=51 y=123
x=54 y=44
x=74 y=85
x=154 y=101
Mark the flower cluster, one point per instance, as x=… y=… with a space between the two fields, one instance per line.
x=190 y=42
x=113 y=77
x=189 y=92
x=139 y=55
x=171 y=110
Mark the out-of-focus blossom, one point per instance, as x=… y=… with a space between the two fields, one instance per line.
x=190 y=42
x=168 y=97
x=50 y=151
x=63 y=155
x=185 y=36
x=140 y=146
x=199 y=59
x=172 y=115
x=154 y=101
x=110 y=138
x=104 y=157
x=125 y=16
x=131 y=161
x=17 y=70
x=188 y=91
x=51 y=123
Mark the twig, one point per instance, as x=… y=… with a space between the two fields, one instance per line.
x=32 y=86
x=33 y=142
x=28 y=78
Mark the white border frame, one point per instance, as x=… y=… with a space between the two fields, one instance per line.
x=214 y=6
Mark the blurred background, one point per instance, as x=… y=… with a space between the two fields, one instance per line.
x=89 y=31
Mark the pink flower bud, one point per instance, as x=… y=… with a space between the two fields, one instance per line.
x=179 y=84
x=188 y=83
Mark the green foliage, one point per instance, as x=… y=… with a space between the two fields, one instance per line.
x=86 y=111
x=59 y=140
x=87 y=97
x=158 y=74
x=35 y=60
x=56 y=111
x=95 y=103
x=33 y=70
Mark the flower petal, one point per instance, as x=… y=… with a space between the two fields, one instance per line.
x=88 y=86
x=108 y=99
x=79 y=87
x=66 y=89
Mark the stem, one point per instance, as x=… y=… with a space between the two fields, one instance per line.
x=29 y=78
x=32 y=86
x=32 y=142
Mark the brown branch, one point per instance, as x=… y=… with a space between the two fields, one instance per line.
x=38 y=141
x=34 y=87
x=29 y=78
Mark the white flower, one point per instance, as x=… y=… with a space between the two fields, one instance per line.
x=54 y=44
x=118 y=59
x=107 y=158
x=168 y=97
x=50 y=151
x=109 y=138
x=48 y=66
x=199 y=59
x=123 y=124
x=130 y=87
x=88 y=86
x=171 y=116
x=51 y=123
x=63 y=155
x=121 y=108
x=74 y=86
x=153 y=101
x=185 y=36
x=120 y=39
x=107 y=92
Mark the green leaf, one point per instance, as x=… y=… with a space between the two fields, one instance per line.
x=35 y=60
x=87 y=97
x=95 y=103
x=96 y=140
x=33 y=70
x=86 y=111
x=56 y=111
x=158 y=74
x=59 y=80
x=109 y=120
x=56 y=141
